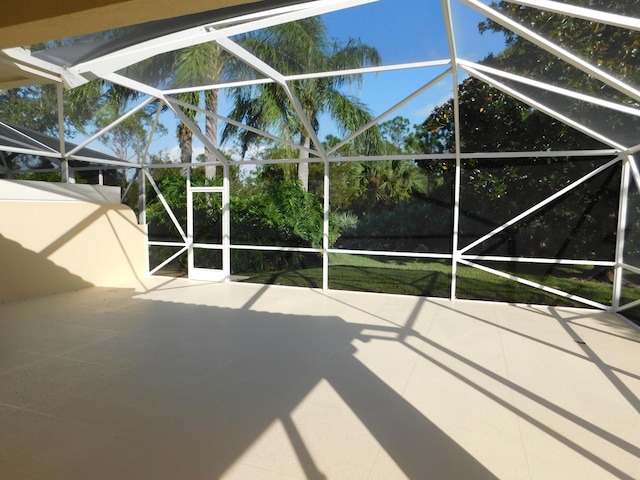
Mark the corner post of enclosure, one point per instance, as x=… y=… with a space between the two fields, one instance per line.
x=226 y=221
x=455 y=254
x=620 y=234
x=456 y=226
x=65 y=172
x=325 y=228
x=142 y=196
x=142 y=190
x=190 y=259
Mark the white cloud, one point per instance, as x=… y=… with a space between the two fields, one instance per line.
x=427 y=110
x=174 y=153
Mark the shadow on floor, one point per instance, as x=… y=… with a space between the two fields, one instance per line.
x=184 y=391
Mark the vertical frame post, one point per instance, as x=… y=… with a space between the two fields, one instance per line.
x=325 y=228
x=190 y=260
x=226 y=221
x=618 y=272
x=65 y=173
x=455 y=253
x=142 y=197
x=142 y=192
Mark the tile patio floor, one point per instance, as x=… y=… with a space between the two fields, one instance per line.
x=189 y=380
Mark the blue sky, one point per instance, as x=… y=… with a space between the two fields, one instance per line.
x=410 y=31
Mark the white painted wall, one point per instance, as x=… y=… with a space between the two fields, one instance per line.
x=60 y=237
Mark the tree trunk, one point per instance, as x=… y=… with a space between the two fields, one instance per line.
x=185 y=142
x=303 y=167
x=211 y=130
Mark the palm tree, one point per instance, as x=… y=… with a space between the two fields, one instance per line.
x=295 y=48
x=198 y=65
x=86 y=104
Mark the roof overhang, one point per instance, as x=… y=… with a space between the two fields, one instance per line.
x=23 y=27
x=15 y=74
x=26 y=23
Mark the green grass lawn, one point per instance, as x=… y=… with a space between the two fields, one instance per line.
x=433 y=278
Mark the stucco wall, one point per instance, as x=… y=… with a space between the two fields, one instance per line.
x=56 y=237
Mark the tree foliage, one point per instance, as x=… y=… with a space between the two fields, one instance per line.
x=581 y=225
x=129 y=139
x=295 y=48
x=269 y=211
x=614 y=49
x=32 y=107
x=492 y=121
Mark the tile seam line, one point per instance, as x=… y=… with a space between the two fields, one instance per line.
x=512 y=395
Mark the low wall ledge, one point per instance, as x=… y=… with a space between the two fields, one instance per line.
x=29 y=190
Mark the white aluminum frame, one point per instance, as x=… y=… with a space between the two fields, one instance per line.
x=209 y=274
x=220 y=32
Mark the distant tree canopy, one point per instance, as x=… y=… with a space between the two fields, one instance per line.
x=491 y=120
x=32 y=107
x=494 y=190
x=616 y=50
x=612 y=50
x=129 y=139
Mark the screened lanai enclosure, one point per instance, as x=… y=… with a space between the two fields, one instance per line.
x=456 y=148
